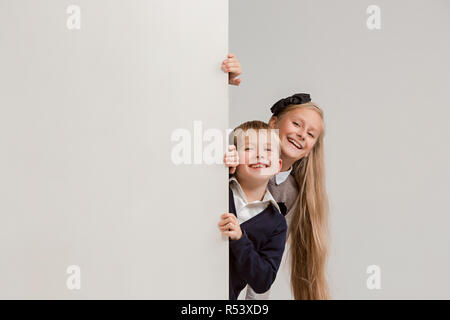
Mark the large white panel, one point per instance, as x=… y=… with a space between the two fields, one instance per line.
x=86 y=176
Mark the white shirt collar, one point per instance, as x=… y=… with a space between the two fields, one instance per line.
x=241 y=201
x=282 y=176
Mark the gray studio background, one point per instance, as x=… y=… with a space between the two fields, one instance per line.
x=385 y=97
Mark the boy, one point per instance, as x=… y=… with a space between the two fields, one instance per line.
x=255 y=225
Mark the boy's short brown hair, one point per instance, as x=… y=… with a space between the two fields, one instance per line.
x=255 y=125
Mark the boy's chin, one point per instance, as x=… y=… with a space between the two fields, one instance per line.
x=262 y=174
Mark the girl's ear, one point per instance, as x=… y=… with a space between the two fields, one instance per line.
x=272 y=121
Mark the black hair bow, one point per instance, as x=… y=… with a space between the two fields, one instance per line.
x=297 y=98
x=283 y=208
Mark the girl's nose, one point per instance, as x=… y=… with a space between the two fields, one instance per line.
x=301 y=133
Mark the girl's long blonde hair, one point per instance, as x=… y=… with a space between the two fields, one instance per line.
x=308 y=230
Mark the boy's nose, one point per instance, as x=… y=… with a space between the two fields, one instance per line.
x=260 y=154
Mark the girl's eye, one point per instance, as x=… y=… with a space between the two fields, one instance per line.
x=295 y=123
x=311 y=134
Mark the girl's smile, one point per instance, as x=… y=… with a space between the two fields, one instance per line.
x=296 y=143
x=259 y=155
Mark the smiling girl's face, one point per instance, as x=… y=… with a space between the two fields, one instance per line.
x=299 y=130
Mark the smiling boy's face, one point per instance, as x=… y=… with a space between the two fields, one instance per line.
x=259 y=156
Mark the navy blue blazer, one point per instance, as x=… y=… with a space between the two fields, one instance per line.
x=254 y=259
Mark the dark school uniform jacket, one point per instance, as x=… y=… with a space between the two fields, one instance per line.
x=254 y=259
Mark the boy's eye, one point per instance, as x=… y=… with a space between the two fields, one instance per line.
x=295 y=123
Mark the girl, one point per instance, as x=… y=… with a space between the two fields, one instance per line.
x=301 y=187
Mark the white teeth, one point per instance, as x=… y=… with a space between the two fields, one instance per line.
x=295 y=143
x=258 y=166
